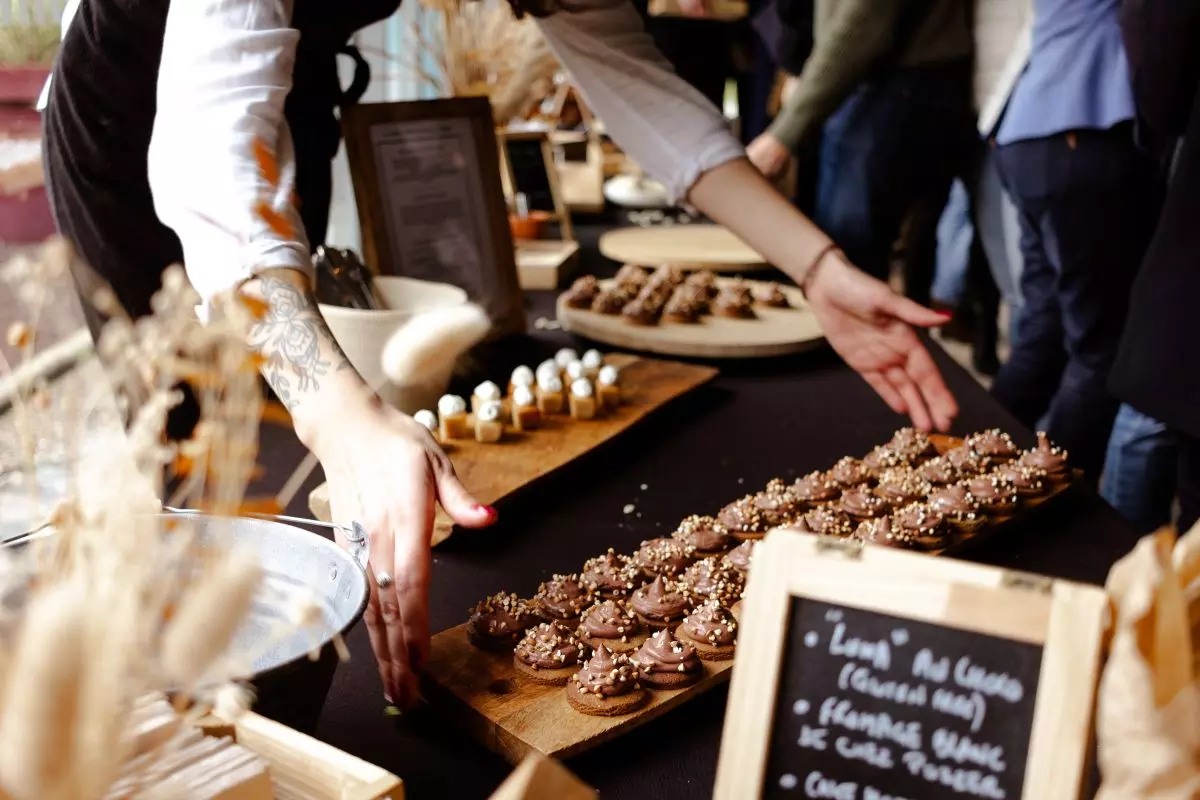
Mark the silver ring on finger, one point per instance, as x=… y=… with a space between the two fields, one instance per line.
x=384 y=580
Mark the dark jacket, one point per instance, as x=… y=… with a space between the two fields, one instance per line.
x=1158 y=365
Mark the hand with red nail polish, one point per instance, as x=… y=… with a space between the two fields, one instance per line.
x=386 y=471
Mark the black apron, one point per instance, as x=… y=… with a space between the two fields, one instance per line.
x=100 y=115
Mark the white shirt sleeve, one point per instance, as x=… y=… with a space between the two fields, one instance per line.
x=226 y=72
x=671 y=130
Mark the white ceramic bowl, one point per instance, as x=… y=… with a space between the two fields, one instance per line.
x=363 y=335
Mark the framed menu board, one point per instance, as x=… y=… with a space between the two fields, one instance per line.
x=427 y=183
x=870 y=673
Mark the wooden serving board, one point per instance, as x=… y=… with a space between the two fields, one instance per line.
x=696 y=246
x=493 y=471
x=484 y=694
x=776 y=331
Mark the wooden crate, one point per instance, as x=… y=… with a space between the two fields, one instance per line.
x=303 y=768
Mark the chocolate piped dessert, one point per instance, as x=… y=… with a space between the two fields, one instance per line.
x=993 y=444
x=740 y=557
x=660 y=603
x=771 y=295
x=609 y=575
x=498 y=622
x=664 y=556
x=926 y=527
x=704 y=534
x=743 y=518
x=667 y=663
x=1049 y=459
x=712 y=630
x=549 y=654
x=582 y=292
x=612 y=624
x=959 y=507
x=563 y=598
x=608 y=685
x=711 y=578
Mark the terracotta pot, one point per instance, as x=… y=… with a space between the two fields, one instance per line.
x=530 y=227
x=22 y=85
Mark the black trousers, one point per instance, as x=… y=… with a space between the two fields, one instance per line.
x=1189 y=481
x=1088 y=204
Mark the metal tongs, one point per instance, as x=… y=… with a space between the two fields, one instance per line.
x=343 y=280
x=358 y=543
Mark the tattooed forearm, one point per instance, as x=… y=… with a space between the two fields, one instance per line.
x=297 y=346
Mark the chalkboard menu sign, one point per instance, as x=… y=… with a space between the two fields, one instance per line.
x=530 y=170
x=877 y=674
x=872 y=706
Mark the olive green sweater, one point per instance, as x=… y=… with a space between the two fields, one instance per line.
x=854 y=39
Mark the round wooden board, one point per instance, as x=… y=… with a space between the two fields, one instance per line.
x=695 y=246
x=777 y=331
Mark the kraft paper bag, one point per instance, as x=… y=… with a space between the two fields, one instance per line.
x=1148 y=709
x=542 y=778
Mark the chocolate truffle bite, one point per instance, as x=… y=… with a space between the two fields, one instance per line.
x=582 y=292
x=743 y=519
x=704 y=534
x=1029 y=482
x=712 y=630
x=632 y=278
x=1049 y=459
x=563 y=598
x=997 y=498
x=711 y=578
x=899 y=487
x=926 y=527
x=612 y=624
x=912 y=445
x=667 y=663
x=814 y=489
x=993 y=444
x=704 y=280
x=733 y=303
x=549 y=654
x=640 y=312
x=862 y=502
x=959 y=507
x=498 y=622
x=610 y=301
x=771 y=295
x=660 y=603
x=684 y=308
x=665 y=556
x=608 y=685
x=740 y=557
x=609 y=575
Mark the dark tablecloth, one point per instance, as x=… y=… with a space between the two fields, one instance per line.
x=758 y=420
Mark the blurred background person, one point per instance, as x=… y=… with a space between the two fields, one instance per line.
x=887 y=88
x=1088 y=200
x=1157 y=369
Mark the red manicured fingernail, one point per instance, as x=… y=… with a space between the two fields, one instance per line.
x=492 y=514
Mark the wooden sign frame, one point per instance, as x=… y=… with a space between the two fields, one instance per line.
x=1068 y=620
x=459 y=130
x=541 y=263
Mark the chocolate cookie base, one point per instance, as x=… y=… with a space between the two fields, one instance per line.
x=707 y=651
x=492 y=644
x=630 y=645
x=672 y=680
x=597 y=706
x=659 y=624
x=545 y=677
x=735 y=611
x=747 y=536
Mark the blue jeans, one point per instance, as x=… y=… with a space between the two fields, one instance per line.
x=898 y=141
x=1088 y=204
x=1140 y=470
x=954 y=235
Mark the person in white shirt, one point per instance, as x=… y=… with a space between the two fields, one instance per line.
x=151 y=120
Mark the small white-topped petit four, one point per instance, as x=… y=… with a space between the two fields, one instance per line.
x=575 y=371
x=488 y=427
x=427 y=419
x=451 y=404
x=523 y=396
x=609 y=375
x=521 y=376
x=549 y=381
x=608 y=386
x=593 y=360
x=486 y=392
x=550 y=398
x=565 y=356
x=583 y=399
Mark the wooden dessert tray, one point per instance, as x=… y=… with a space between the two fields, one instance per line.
x=484 y=694
x=493 y=471
x=696 y=246
x=776 y=331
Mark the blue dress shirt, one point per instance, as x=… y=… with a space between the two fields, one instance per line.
x=1077 y=76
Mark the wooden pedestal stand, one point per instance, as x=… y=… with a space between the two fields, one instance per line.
x=527 y=168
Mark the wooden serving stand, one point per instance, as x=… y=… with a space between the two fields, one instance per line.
x=484 y=693
x=775 y=331
x=493 y=471
x=696 y=246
